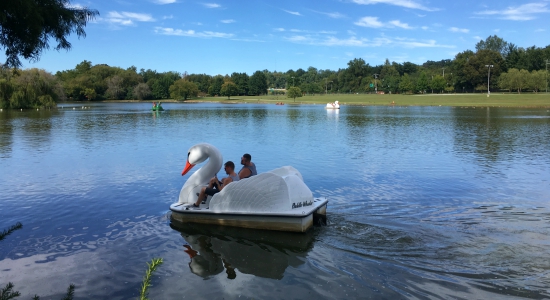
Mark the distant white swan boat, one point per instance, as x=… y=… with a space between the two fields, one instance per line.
x=333 y=105
x=274 y=200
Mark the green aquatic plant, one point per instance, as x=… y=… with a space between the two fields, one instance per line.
x=7 y=293
x=147 y=279
x=10 y=230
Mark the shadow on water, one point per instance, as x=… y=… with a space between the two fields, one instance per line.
x=213 y=249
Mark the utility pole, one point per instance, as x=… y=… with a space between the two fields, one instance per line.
x=488 y=76
x=375 y=85
x=443 y=72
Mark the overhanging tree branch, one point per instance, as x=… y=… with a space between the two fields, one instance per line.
x=26 y=26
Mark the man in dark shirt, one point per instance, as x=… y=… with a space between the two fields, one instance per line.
x=249 y=168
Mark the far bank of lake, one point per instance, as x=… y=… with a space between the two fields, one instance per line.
x=540 y=100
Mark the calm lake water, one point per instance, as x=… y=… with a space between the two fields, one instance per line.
x=424 y=202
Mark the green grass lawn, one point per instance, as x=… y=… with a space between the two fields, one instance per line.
x=495 y=100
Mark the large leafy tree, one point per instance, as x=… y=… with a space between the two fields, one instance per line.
x=241 y=80
x=183 y=89
x=30 y=88
x=406 y=85
x=294 y=92
x=27 y=26
x=493 y=43
x=229 y=89
x=142 y=91
x=438 y=83
x=422 y=83
x=257 y=84
x=475 y=71
x=216 y=85
x=356 y=76
x=537 y=80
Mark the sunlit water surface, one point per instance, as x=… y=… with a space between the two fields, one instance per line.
x=425 y=202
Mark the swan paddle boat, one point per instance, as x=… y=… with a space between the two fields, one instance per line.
x=274 y=200
x=157 y=107
x=333 y=105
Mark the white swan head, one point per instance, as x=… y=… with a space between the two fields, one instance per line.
x=196 y=155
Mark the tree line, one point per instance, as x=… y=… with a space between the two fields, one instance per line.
x=502 y=64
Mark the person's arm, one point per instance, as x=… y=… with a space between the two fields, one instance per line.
x=225 y=182
x=245 y=172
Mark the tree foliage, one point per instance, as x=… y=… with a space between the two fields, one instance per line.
x=26 y=27
x=257 y=84
x=294 y=92
x=229 y=89
x=466 y=72
x=32 y=88
x=493 y=43
x=406 y=85
x=183 y=89
x=142 y=91
x=438 y=83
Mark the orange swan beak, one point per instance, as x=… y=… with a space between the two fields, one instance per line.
x=188 y=167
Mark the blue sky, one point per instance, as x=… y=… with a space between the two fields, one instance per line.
x=221 y=37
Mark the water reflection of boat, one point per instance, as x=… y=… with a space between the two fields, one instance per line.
x=213 y=249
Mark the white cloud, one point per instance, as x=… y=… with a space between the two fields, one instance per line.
x=402 y=3
x=333 y=15
x=456 y=29
x=477 y=37
x=292 y=12
x=164 y=1
x=425 y=27
x=540 y=30
x=519 y=13
x=373 y=22
x=211 y=5
x=369 y=22
x=192 y=33
x=312 y=32
x=364 y=42
x=350 y=32
x=279 y=29
x=127 y=18
x=397 y=23
x=167 y=17
x=228 y=21
x=74 y=6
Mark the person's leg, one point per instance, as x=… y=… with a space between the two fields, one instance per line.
x=204 y=192
x=202 y=195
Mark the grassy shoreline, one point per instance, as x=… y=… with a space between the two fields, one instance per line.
x=480 y=100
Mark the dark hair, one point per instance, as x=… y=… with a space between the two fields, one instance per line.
x=247 y=156
x=230 y=164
